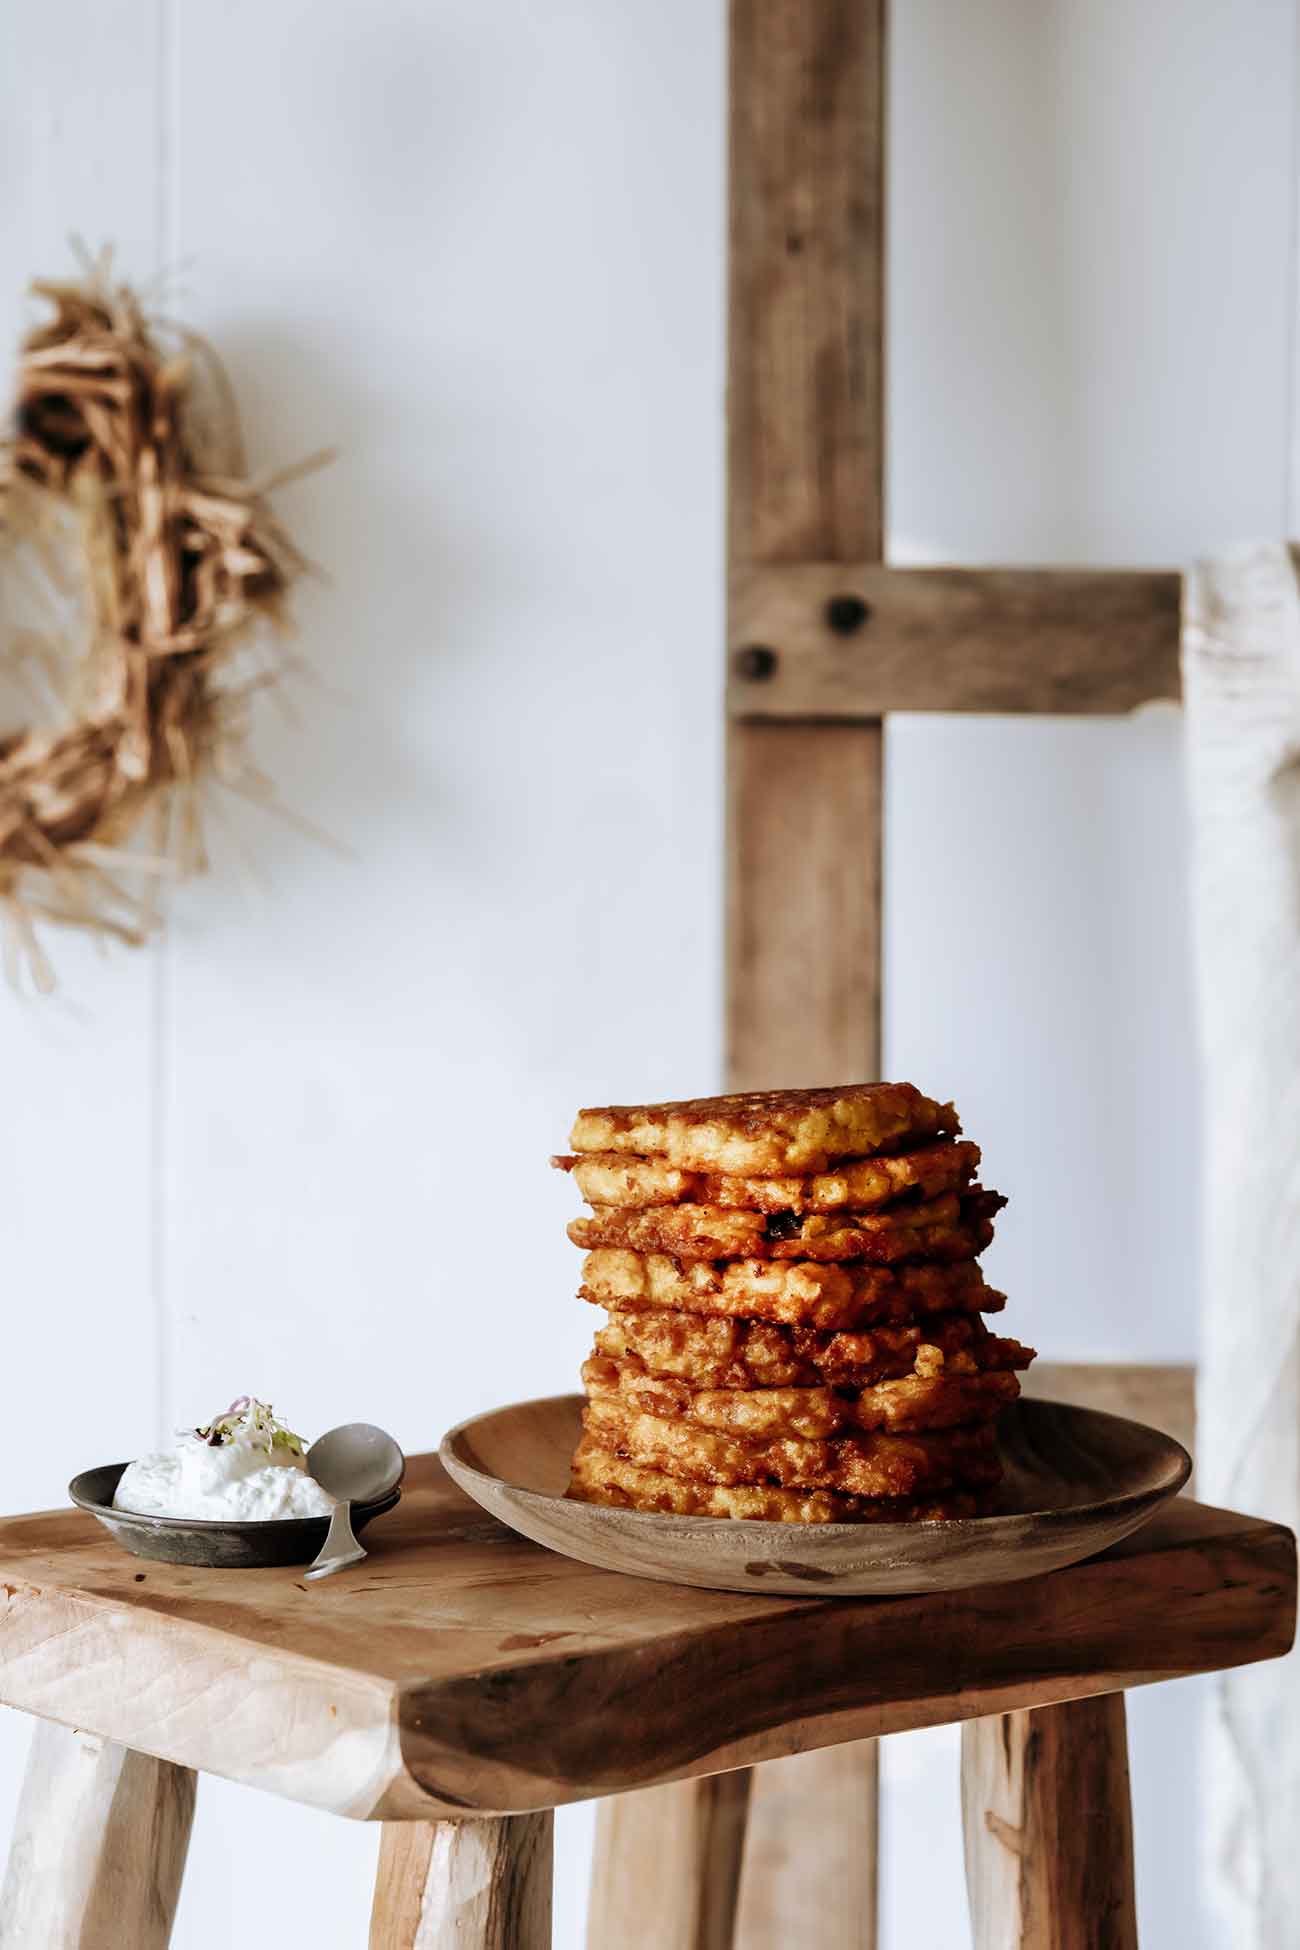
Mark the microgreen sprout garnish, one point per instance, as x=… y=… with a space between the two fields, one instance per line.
x=248 y=1420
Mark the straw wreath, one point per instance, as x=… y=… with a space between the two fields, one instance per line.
x=125 y=516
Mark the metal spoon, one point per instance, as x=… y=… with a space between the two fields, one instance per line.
x=356 y=1463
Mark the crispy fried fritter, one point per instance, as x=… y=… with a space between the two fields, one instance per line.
x=862 y=1185
x=769 y=1131
x=943 y=1228
x=911 y=1402
x=720 y=1353
x=795 y=1293
x=599 y=1477
x=854 y=1465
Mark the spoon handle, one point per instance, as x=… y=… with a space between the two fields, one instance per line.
x=340 y=1547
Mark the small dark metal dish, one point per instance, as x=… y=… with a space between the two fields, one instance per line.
x=199 y=1540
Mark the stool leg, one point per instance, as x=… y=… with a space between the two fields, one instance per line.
x=1048 y=1829
x=464 y=1885
x=667 y=1866
x=98 y=1849
x=810 y=1855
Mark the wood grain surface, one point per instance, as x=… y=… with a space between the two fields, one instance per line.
x=666 y=1869
x=98 y=1848
x=462 y=1669
x=804 y=893
x=810 y=1870
x=805 y=483
x=1048 y=1828
x=1161 y=1394
x=1062 y=641
x=805 y=392
x=465 y=1885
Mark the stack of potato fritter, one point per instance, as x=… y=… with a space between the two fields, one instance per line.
x=795 y=1304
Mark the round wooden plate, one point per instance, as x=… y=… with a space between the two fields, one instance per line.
x=1077 y=1480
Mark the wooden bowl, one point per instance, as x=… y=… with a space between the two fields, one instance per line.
x=200 y=1540
x=1077 y=1480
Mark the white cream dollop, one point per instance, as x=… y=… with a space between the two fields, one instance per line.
x=255 y=1471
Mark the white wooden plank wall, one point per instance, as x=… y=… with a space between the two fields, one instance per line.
x=302 y=1149
x=482 y=251
x=76 y=1157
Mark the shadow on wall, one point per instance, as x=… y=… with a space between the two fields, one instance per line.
x=380 y=630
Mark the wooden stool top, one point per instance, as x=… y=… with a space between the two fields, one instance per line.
x=463 y=1669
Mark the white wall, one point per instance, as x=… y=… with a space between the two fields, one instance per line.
x=480 y=248
x=1092 y=314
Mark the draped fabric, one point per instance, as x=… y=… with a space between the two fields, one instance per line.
x=1241 y=676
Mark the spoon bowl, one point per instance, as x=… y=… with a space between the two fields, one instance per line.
x=356 y=1463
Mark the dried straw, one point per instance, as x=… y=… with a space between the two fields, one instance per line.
x=179 y=568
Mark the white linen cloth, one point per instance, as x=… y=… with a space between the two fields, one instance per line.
x=1241 y=682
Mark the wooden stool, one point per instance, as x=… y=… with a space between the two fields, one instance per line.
x=462 y=1683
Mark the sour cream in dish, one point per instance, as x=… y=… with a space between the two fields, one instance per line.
x=244 y=1467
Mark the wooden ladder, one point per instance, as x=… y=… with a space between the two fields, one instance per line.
x=824 y=640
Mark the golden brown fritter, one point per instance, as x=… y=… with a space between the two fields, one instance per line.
x=911 y=1402
x=600 y=1477
x=769 y=1132
x=853 y=1465
x=721 y=1353
x=794 y=1293
x=860 y=1185
x=946 y=1228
